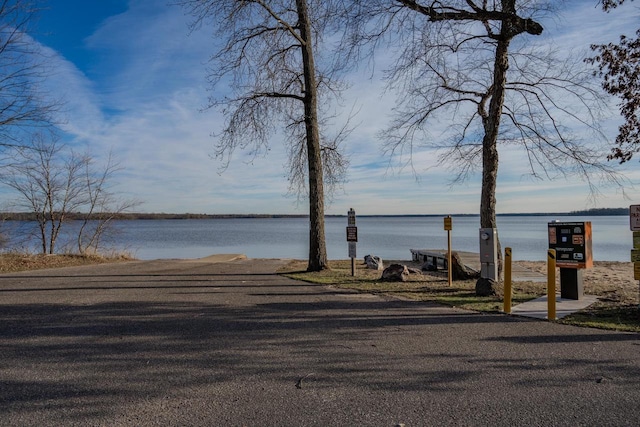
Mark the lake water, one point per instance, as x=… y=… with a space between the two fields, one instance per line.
x=387 y=237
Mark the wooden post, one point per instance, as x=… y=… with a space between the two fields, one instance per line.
x=551 y=284
x=507 y=280
x=353 y=267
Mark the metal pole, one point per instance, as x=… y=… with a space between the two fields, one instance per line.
x=507 y=280
x=551 y=284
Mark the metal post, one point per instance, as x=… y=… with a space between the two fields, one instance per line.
x=507 y=280
x=551 y=284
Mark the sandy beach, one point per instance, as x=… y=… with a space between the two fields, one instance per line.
x=611 y=281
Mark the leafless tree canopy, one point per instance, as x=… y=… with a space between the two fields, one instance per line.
x=471 y=76
x=257 y=80
x=23 y=68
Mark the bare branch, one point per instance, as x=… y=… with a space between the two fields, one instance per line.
x=24 y=105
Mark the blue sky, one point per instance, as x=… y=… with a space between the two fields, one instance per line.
x=133 y=79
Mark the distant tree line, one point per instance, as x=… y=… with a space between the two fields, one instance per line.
x=602 y=211
x=81 y=216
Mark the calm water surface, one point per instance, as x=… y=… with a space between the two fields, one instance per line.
x=388 y=237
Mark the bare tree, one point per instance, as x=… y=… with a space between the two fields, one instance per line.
x=471 y=66
x=271 y=60
x=54 y=182
x=48 y=185
x=24 y=104
x=101 y=205
x=619 y=66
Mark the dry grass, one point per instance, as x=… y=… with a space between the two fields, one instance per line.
x=612 y=282
x=14 y=262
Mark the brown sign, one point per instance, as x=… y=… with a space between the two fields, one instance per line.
x=448 y=223
x=352 y=234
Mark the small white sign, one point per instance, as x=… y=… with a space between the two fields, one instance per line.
x=352 y=250
x=634 y=217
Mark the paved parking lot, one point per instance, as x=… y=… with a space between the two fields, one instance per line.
x=204 y=343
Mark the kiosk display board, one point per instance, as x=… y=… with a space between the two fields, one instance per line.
x=572 y=242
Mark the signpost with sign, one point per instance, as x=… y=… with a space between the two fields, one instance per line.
x=634 y=225
x=572 y=244
x=352 y=238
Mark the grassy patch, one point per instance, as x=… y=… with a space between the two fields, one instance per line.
x=616 y=310
x=14 y=262
x=607 y=316
x=431 y=286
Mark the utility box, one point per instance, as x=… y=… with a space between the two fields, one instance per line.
x=572 y=243
x=489 y=253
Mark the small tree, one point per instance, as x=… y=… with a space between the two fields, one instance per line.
x=268 y=59
x=54 y=182
x=619 y=67
x=101 y=206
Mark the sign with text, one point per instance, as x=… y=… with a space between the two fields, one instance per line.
x=572 y=243
x=634 y=217
x=351 y=217
x=352 y=250
x=352 y=234
x=448 y=223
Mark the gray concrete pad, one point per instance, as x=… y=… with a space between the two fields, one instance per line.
x=538 y=308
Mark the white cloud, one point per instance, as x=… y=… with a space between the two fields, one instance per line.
x=143 y=99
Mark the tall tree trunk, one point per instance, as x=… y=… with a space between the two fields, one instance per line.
x=490 y=140
x=492 y=128
x=317 y=244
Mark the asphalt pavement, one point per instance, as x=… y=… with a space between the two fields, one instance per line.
x=209 y=343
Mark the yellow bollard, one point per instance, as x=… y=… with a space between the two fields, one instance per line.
x=551 y=284
x=507 y=280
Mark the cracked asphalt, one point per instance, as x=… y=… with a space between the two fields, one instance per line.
x=198 y=343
